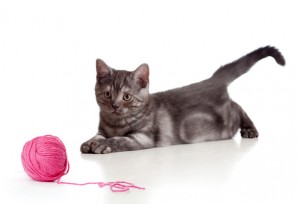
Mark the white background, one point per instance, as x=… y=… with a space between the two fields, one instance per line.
x=47 y=74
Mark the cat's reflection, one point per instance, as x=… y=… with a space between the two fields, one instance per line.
x=202 y=162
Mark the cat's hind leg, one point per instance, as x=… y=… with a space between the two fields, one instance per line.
x=247 y=127
x=248 y=130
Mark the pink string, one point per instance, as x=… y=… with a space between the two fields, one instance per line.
x=118 y=186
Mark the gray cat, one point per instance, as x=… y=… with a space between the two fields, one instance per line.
x=133 y=119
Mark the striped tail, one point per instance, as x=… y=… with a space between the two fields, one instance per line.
x=228 y=73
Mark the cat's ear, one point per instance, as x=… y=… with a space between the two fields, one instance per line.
x=102 y=69
x=141 y=75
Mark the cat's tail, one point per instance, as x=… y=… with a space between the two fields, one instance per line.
x=228 y=73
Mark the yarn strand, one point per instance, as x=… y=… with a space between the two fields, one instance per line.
x=117 y=186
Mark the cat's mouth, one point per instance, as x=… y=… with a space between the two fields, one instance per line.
x=117 y=112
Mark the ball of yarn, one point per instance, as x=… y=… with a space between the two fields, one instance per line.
x=44 y=158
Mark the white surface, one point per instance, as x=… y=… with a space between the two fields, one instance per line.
x=48 y=51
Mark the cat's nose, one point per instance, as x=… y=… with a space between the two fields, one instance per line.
x=115 y=106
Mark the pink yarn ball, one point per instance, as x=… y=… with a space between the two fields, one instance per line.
x=44 y=158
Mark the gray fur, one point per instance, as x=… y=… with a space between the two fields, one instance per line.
x=133 y=119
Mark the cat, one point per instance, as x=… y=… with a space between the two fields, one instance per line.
x=133 y=119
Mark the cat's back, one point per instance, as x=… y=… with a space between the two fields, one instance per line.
x=197 y=94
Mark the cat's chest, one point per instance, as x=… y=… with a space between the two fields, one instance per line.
x=126 y=126
x=116 y=131
x=113 y=128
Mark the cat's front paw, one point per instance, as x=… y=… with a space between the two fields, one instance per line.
x=85 y=148
x=95 y=146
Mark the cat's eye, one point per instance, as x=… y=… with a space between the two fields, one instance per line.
x=107 y=94
x=127 y=97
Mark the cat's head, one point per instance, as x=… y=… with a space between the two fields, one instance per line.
x=120 y=93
